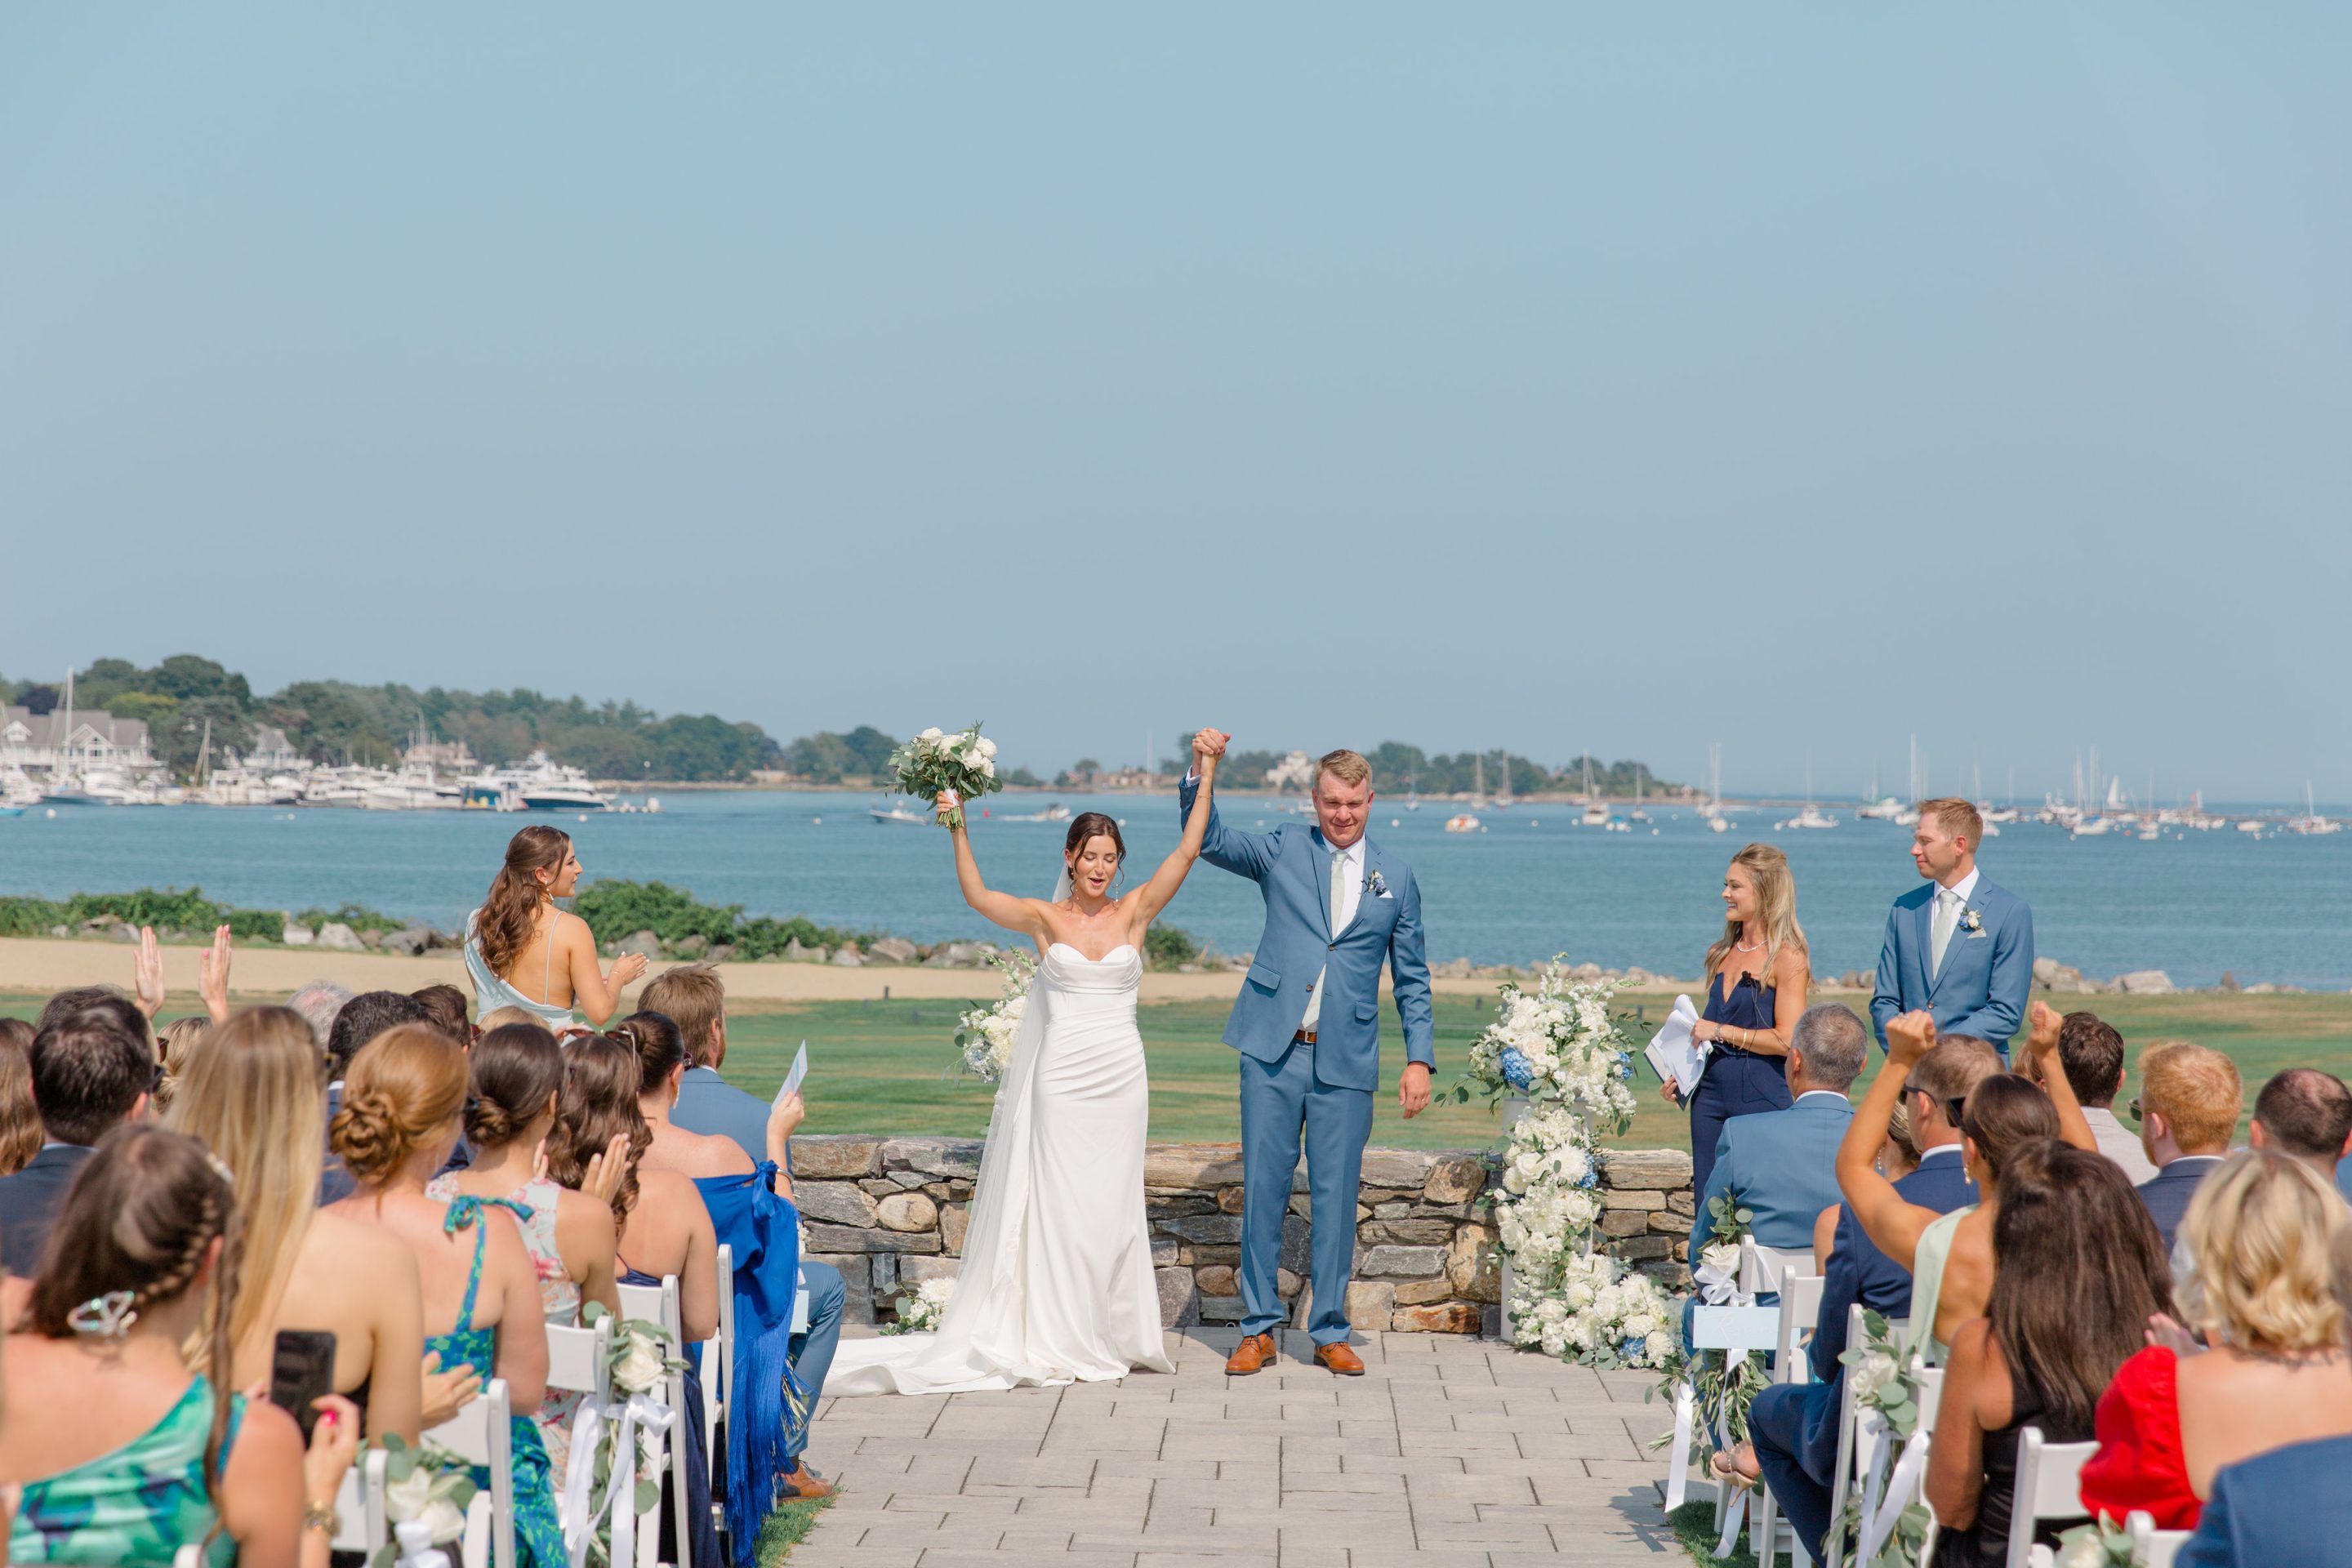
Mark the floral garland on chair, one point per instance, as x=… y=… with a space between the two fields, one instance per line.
x=1721 y=1388
x=1881 y=1371
x=1558 y=1048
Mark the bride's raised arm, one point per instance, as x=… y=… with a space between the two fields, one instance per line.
x=1153 y=895
x=1026 y=916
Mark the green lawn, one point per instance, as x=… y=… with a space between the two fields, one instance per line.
x=889 y=1066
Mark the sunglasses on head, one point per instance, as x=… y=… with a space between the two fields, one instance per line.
x=1952 y=1105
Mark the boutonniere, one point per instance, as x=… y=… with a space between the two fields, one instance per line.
x=1376 y=885
x=1973 y=921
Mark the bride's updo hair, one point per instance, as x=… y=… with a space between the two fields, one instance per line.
x=1093 y=825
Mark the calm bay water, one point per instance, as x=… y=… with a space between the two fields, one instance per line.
x=2276 y=908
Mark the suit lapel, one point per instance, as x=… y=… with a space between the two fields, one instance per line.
x=1322 y=859
x=1363 y=891
x=1925 y=946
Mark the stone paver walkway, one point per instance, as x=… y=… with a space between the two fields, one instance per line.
x=1448 y=1453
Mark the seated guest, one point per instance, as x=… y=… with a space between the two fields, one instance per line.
x=82 y=997
x=2305 y=1113
x=2256 y=1283
x=91 y=1068
x=694 y=997
x=320 y=1003
x=725 y=1177
x=523 y=952
x=518 y=1074
x=2080 y=1270
x=2093 y=1054
x=175 y=1048
x=252 y=1096
x=2190 y=1097
x=500 y=1017
x=1897 y=1158
x=124 y=1453
x=402 y=1105
x=663 y=1228
x=2288 y=1505
x=1781 y=1165
x=363 y=1018
x=1950 y=1255
x=20 y=1118
x=445 y=1009
x=1794 y=1425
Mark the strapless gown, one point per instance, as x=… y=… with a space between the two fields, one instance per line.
x=1056 y=1283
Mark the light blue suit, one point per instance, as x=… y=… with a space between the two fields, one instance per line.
x=1322 y=1090
x=1783 y=1165
x=1988 y=975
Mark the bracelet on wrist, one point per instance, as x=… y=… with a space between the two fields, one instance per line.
x=321 y=1516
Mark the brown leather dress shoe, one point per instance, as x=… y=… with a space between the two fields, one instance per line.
x=804 y=1485
x=1251 y=1355
x=1339 y=1359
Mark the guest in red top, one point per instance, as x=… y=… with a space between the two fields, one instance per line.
x=2256 y=1244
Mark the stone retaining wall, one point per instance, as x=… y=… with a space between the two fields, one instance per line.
x=889 y=1212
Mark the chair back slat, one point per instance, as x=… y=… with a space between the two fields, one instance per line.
x=1735 y=1328
x=579 y=1360
x=481 y=1434
x=2049 y=1487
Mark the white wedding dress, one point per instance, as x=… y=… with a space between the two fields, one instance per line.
x=1056 y=1283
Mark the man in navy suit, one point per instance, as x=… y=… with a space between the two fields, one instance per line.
x=2288 y=1506
x=92 y=1071
x=1794 y=1425
x=1958 y=945
x=2189 y=1100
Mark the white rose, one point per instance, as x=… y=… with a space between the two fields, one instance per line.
x=445 y=1519
x=987 y=768
x=932 y=735
x=987 y=747
x=1722 y=1255
x=1659 y=1346
x=406 y=1498
x=1875 y=1376
x=641 y=1370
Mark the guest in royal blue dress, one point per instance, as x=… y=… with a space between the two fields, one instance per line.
x=1758 y=972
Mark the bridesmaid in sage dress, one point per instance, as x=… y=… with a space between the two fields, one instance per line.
x=1758 y=972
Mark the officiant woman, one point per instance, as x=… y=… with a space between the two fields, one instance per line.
x=1757 y=975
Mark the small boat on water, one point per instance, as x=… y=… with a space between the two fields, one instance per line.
x=1809 y=817
x=1055 y=812
x=1463 y=823
x=898 y=813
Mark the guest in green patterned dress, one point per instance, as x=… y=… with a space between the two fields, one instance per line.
x=124 y=1453
x=402 y=1100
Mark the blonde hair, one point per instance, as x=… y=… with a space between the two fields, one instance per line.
x=695 y=999
x=1775 y=910
x=176 y=1046
x=2260 y=1235
x=500 y=1017
x=1349 y=767
x=2196 y=1089
x=254 y=1096
x=1959 y=819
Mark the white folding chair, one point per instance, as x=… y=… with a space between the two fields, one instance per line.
x=1854 y=1459
x=717 y=1387
x=580 y=1360
x=1800 y=1314
x=2151 y=1547
x=2049 y=1487
x=1931 y=1391
x=1761 y=1268
x=1735 y=1330
x=659 y=1304
x=362 y=1523
x=479 y=1434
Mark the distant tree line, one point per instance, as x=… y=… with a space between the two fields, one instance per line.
x=1399 y=769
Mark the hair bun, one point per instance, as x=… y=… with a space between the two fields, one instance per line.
x=366 y=1133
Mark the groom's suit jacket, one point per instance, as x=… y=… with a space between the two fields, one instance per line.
x=1988 y=975
x=1292 y=867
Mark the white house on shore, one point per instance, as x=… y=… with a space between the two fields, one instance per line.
x=96 y=741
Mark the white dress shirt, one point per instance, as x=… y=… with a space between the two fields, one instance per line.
x=1351 y=887
x=1963 y=888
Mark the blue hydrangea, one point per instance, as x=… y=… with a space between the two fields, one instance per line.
x=1631 y=1350
x=1517 y=1070
x=1592 y=1177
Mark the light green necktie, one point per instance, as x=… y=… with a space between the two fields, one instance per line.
x=1339 y=892
x=1939 y=934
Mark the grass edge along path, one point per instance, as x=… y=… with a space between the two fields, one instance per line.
x=785 y=1529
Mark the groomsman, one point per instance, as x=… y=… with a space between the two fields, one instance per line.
x=1958 y=945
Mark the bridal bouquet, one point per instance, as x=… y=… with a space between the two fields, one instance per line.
x=962 y=765
x=986 y=1036
x=922 y=1309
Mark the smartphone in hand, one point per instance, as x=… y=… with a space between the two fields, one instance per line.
x=301 y=1369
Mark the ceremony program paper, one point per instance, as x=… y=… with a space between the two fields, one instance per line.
x=1672 y=1055
x=793 y=1079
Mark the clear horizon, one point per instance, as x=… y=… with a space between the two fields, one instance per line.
x=1619 y=383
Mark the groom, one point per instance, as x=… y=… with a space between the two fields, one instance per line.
x=1308 y=1026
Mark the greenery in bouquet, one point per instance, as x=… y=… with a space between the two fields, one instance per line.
x=922 y=1309
x=1559 y=1041
x=984 y=1041
x=424 y=1484
x=934 y=763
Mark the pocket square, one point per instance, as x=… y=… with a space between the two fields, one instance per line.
x=1979 y=935
x=1386 y=894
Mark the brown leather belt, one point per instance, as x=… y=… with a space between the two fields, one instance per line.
x=1304 y=1037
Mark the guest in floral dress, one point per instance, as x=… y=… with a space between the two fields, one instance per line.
x=518 y=1071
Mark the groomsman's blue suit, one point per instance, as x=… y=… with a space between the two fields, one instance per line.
x=1324 y=1090
x=1987 y=977
x=2288 y=1506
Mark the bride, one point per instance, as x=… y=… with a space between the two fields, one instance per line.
x=1056 y=1283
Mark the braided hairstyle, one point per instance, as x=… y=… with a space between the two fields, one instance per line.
x=517 y=1069
x=599 y=1100
x=142 y=1215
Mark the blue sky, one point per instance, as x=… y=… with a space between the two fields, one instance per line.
x=1554 y=377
